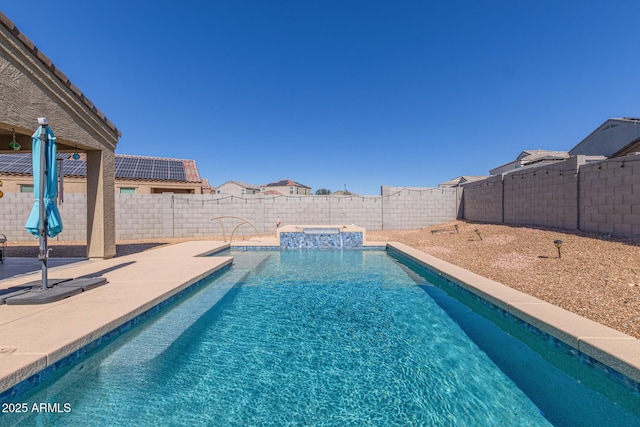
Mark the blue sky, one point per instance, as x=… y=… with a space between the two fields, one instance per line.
x=345 y=93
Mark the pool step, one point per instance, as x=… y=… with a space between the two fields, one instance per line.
x=164 y=331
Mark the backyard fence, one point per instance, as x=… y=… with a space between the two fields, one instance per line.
x=601 y=197
x=145 y=216
x=573 y=194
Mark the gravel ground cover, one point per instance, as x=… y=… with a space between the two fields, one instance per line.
x=598 y=275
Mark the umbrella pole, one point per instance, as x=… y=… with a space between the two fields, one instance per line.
x=42 y=225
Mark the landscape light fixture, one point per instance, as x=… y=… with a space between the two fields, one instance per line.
x=456 y=227
x=558 y=244
x=478 y=233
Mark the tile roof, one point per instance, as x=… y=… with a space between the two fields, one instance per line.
x=461 y=180
x=126 y=167
x=241 y=184
x=206 y=184
x=534 y=155
x=285 y=183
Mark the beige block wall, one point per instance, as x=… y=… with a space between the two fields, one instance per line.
x=543 y=196
x=601 y=197
x=609 y=195
x=482 y=200
x=143 y=216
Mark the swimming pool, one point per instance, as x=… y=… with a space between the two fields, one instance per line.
x=329 y=338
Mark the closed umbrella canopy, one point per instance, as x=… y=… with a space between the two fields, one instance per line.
x=49 y=166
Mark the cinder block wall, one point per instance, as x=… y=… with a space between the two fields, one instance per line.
x=143 y=216
x=74 y=217
x=15 y=209
x=609 y=194
x=547 y=195
x=482 y=200
x=602 y=197
x=418 y=207
x=140 y=216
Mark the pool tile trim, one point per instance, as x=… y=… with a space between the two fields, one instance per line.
x=250 y=248
x=612 y=352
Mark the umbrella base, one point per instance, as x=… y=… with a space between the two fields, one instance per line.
x=13 y=292
x=85 y=283
x=43 y=296
x=50 y=283
x=57 y=289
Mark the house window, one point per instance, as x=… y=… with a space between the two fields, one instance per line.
x=242 y=191
x=290 y=190
x=127 y=190
x=26 y=188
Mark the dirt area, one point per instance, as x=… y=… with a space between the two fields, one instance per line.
x=598 y=276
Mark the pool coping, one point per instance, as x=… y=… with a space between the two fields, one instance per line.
x=606 y=345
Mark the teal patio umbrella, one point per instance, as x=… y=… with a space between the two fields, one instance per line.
x=44 y=219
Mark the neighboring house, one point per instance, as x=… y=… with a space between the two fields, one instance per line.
x=287 y=187
x=237 y=188
x=529 y=158
x=614 y=138
x=458 y=181
x=206 y=187
x=133 y=174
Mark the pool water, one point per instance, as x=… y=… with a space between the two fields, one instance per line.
x=329 y=338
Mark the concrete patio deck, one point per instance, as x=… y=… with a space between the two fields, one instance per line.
x=19 y=266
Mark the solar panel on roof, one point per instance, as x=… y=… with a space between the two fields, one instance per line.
x=176 y=171
x=16 y=163
x=154 y=169
x=161 y=169
x=74 y=167
x=146 y=164
x=125 y=167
